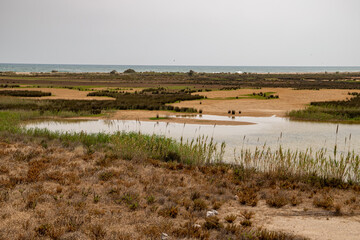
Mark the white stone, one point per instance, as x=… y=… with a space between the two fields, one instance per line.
x=211 y=213
x=164 y=236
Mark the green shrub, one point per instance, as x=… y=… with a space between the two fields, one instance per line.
x=24 y=93
x=129 y=71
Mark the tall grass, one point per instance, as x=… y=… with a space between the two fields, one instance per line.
x=195 y=152
x=125 y=145
x=331 y=114
x=336 y=167
x=136 y=145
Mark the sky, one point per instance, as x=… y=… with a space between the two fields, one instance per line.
x=181 y=32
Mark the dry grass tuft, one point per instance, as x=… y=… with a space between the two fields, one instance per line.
x=277 y=199
x=194 y=195
x=230 y=218
x=190 y=231
x=97 y=231
x=248 y=196
x=106 y=176
x=217 y=205
x=212 y=223
x=247 y=215
x=325 y=202
x=170 y=211
x=295 y=200
x=199 y=205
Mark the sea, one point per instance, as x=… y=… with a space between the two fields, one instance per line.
x=79 y=68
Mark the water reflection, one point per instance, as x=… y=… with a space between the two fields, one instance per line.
x=272 y=131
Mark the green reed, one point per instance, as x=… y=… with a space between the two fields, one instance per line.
x=199 y=151
x=343 y=166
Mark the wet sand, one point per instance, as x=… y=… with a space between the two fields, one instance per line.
x=145 y=115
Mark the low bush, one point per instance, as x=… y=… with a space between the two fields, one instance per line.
x=346 y=110
x=129 y=71
x=24 y=93
x=9 y=86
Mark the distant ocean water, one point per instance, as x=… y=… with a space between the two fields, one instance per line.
x=170 y=68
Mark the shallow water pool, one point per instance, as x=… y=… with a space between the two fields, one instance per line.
x=271 y=131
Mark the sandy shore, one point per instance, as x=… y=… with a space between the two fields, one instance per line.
x=314 y=223
x=289 y=99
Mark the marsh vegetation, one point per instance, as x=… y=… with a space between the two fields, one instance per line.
x=336 y=111
x=24 y=93
x=122 y=101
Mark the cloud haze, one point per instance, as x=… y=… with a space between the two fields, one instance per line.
x=186 y=32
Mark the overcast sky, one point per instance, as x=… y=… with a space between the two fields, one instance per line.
x=181 y=32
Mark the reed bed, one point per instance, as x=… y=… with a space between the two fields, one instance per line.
x=132 y=145
x=329 y=167
x=138 y=146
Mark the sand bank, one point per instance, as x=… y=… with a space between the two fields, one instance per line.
x=289 y=99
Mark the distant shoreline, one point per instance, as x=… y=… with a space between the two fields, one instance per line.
x=260 y=73
x=89 y=68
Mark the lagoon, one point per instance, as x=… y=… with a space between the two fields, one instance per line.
x=267 y=131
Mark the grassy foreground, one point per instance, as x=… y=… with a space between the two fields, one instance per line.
x=134 y=186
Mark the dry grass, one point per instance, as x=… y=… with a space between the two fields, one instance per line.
x=230 y=218
x=58 y=192
x=277 y=199
x=324 y=201
x=248 y=196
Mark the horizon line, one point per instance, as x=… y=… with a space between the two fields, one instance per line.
x=182 y=65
